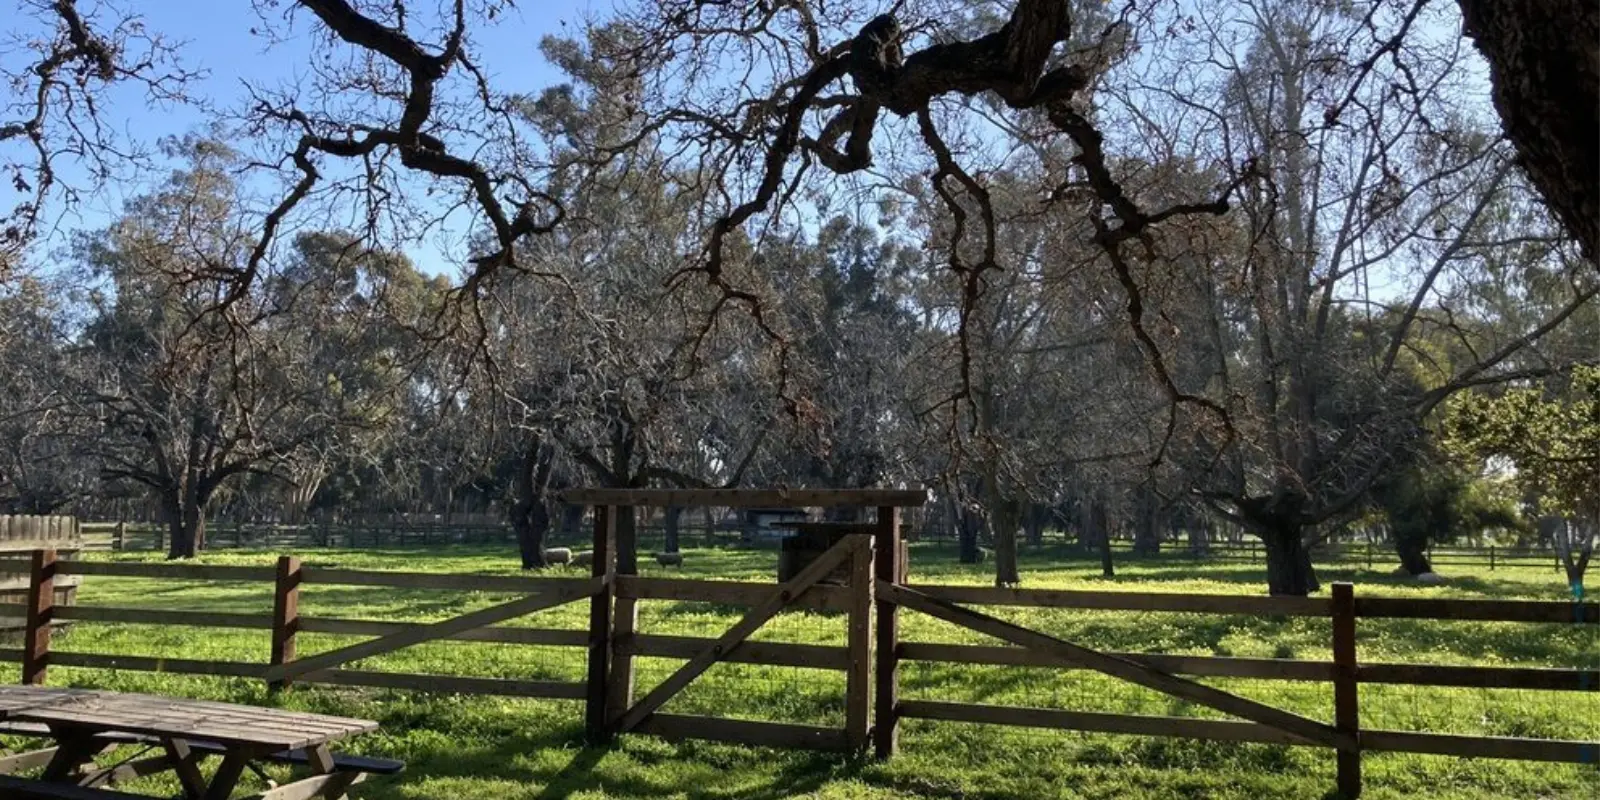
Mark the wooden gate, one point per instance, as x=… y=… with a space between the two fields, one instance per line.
x=856 y=553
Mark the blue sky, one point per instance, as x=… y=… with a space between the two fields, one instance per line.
x=216 y=38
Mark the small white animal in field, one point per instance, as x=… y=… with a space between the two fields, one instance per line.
x=582 y=558
x=669 y=559
x=558 y=555
x=1430 y=578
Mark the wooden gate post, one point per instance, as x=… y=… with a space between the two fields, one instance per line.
x=41 y=613
x=597 y=728
x=285 y=615
x=858 y=681
x=1346 y=708
x=624 y=618
x=886 y=722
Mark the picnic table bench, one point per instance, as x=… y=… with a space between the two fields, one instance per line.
x=84 y=723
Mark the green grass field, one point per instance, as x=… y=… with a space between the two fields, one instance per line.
x=482 y=747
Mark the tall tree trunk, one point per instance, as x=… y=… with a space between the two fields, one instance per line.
x=1003 y=530
x=967 y=536
x=186 y=524
x=1146 y=531
x=1575 y=544
x=530 y=517
x=1289 y=570
x=1102 y=532
x=1199 y=535
x=1413 y=552
x=571 y=518
x=673 y=522
x=1033 y=519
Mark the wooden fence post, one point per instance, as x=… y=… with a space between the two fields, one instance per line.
x=597 y=728
x=285 y=614
x=41 y=612
x=858 y=681
x=886 y=723
x=1346 y=708
x=624 y=617
x=1491 y=558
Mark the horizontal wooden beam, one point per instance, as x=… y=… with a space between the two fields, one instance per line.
x=1129 y=601
x=781 y=654
x=176 y=666
x=451 y=684
x=745 y=732
x=156 y=616
x=1479 y=610
x=1482 y=746
x=1210 y=666
x=433 y=580
x=193 y=572
x=1140 y=725
x=1561 y=680
x=748 y=498
x=734 y=593
x=1133 y=672
x=493 y=633
x=574 y=590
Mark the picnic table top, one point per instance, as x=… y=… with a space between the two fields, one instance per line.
x=152 y=715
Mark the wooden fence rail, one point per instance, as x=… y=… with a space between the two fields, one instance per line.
x=872 y=599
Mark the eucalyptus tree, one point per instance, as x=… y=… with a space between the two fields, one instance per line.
x=187 y=400
x=1308 y=401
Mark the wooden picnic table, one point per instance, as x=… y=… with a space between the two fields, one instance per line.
x=84 y=723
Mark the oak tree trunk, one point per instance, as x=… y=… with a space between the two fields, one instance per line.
x=673 y=522
x=1289 y=570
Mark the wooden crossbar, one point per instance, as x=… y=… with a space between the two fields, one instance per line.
x=437 y=630
x=1303 y=728
x=752 y=621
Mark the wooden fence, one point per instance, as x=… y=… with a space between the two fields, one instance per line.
x=872 y=598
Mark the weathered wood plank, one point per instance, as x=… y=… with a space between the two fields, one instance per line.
x=745 y=732
x=196 y=572
x=413 y=636
x=858 y=678
x=1183 y=727
x=597 y=718
x=1562 y=680
x=1478 y=610
x=332 y=785
x=747 y=498
x=41 y=616
x=157 y=616
x=1129 y=601
x=1311 y=730
x=454 y=684
x=752 y=621
x=1209 y=666
x=888 y=568
x=1346 y=707
x=735 y=593
x=285 y=613
x=1482 y=746
x=426 y=580
x=779 y=654
x=32 y=759
x=503 y=634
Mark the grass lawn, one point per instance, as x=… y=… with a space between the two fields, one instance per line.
x=481 y=747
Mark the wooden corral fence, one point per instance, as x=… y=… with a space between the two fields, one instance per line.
x=864 y=575
x=20 y=536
